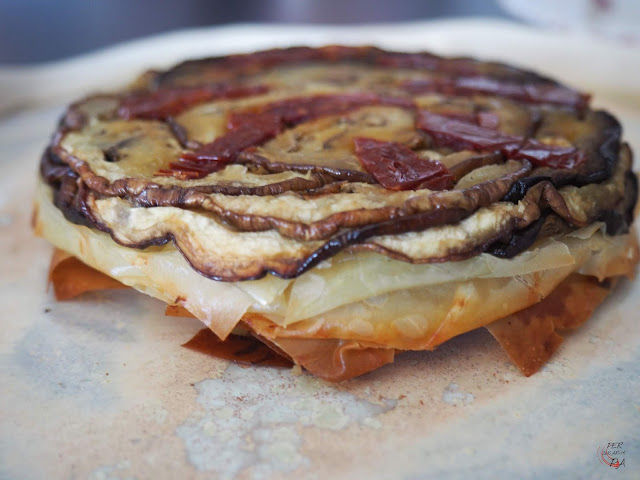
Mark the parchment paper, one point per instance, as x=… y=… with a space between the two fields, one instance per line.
x=100 y=388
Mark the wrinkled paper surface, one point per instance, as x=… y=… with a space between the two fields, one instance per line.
x=100 y=387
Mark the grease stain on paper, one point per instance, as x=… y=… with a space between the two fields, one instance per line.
x=61 y=365
x=112 y=472
x=253 y=418
x=453 y=396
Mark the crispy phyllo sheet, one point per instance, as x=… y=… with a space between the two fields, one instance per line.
x=530 y=336
x=70 y=277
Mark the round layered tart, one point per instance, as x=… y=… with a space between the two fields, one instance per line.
x=342 y=204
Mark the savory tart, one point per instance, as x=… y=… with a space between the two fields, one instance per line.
x=342 y=204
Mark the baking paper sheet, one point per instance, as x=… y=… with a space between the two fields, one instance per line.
x=100 y=388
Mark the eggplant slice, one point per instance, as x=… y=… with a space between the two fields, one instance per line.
x=247 y=162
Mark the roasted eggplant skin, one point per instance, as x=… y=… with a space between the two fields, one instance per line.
x=522 y=127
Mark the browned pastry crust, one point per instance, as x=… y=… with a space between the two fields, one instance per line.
x=529 y=336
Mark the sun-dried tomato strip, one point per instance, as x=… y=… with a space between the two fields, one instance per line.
x=460 y=135
x=528 y=92
x=293 y=111
x=257 y=126
x=169 y=101
x=542 y=154
x=538 y=92
x=396 y=167
x=487 y=119
x=256 y=130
